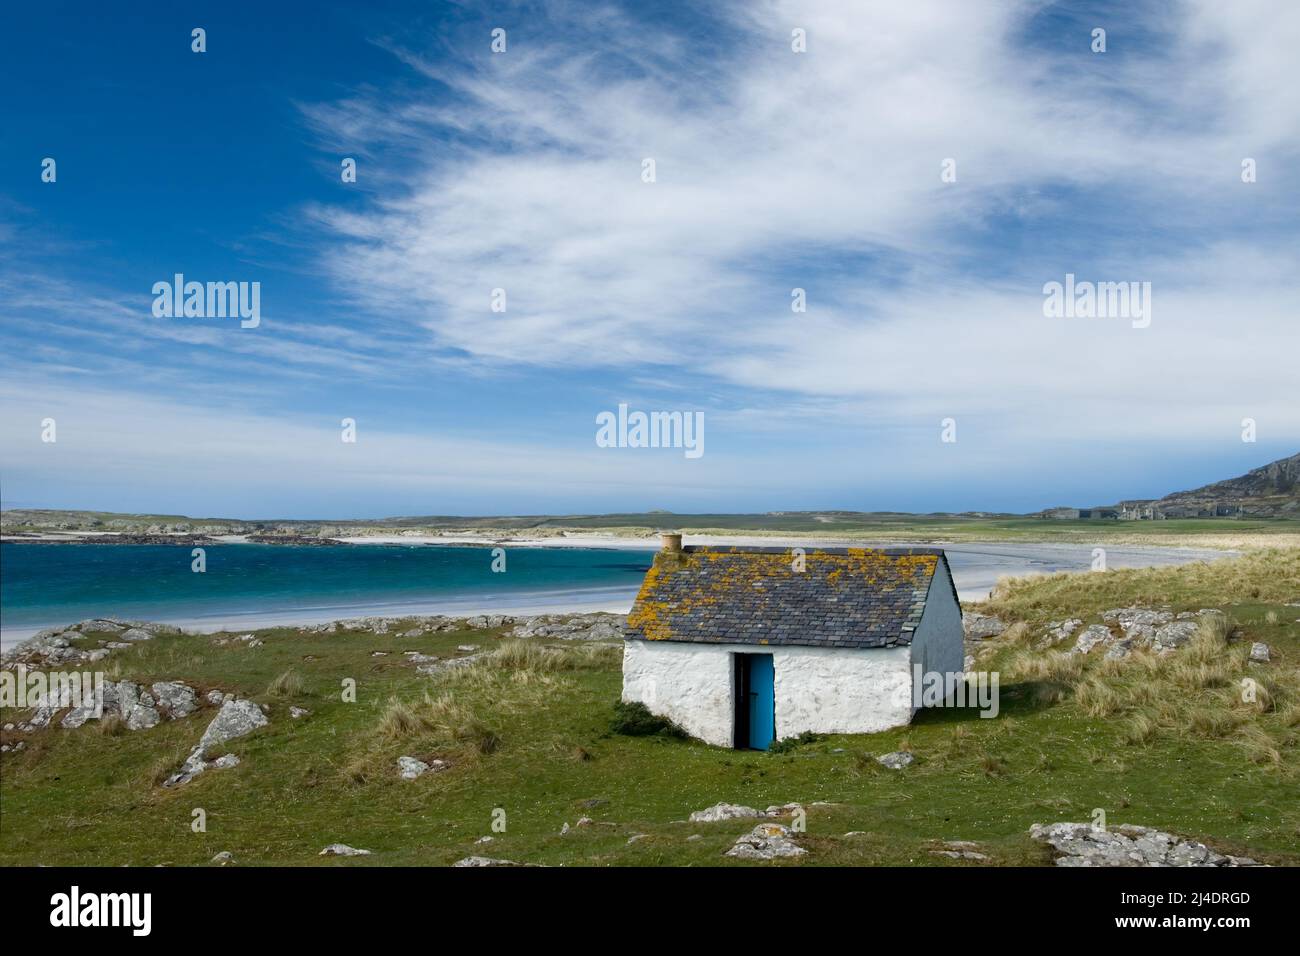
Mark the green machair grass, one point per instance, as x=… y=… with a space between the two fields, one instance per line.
x=527 y=729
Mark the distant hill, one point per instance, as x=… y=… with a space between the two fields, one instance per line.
x=1270 y=491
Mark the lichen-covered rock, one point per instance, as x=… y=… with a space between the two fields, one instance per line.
x=767 y=841
x=1082 y=844
x=723 y=811
x=1259 y=652
x=235 y=719
x=1057 y=632
x=410 y=767
x=175 y=699
x=488 y=861
x=1091 y=637
x=980 y=627
x=342 y=849
x=135 y=705
x=1127 y=617
x=1175 y=635
x=571 y=627
x=99 y=625
x=960 y=850
x=1119 y=650
x=896 y=760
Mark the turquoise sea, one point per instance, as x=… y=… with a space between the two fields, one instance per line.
x=44 y=585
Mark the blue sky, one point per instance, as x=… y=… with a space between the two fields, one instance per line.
x=522 y=170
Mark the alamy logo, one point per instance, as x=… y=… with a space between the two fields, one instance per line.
x=1098 y=300
x=651 y=430
x=103 y=909
x=208 y=300
x=24 y=689
x=977 y=689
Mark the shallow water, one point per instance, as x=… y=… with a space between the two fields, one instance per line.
x=258 y=585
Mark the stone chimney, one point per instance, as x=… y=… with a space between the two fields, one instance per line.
x=670 y=542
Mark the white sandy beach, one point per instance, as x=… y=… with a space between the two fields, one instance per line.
x=976 y=569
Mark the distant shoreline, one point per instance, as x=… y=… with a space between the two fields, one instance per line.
x=577 y=601
x=591 y=540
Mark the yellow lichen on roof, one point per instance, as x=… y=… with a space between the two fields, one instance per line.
x=855 y=568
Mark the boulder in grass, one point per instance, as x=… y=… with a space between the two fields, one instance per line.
x=342 y=849
x=235 y=719
x=411 y=768
x=1082 y=844
x=767 y=841
x=1119 y=650
x=488 y=861
x=1172 y=636
x=723 y=811
x=1091 y=637
x=1259 y=652
x=980 y=627
x=175 y=699
x=896 y=760
x=1128 y=617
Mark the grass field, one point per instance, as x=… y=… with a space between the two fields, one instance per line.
x=1159 y=742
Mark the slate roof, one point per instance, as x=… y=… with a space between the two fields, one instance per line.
x=845 y=597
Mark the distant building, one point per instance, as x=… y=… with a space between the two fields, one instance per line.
x=744 y=646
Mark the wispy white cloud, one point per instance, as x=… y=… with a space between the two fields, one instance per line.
x=775 y=169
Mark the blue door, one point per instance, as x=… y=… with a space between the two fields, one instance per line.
x=762 y=700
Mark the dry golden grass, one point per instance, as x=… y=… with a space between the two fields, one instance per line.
x=1266 y=576
x=456 y=715
x=1208 y=688
x=111 y=725
x=400 y=721
x=287 y=685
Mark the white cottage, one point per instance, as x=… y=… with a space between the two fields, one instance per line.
x=744 y=646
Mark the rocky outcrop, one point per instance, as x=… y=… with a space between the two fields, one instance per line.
x=1272 y=490
x=1082 y=844
x=138 y=707
x=767 y=841
x=488 y=861
x=572 y=627
x=723 y=811
x=1090 y=638
x=54 y=646
x=586 y=627
x=980 y=627
x=1162 y=631
x=235 y=719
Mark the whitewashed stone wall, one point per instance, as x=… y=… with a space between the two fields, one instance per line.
x=690 y=684
x=821 y=689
